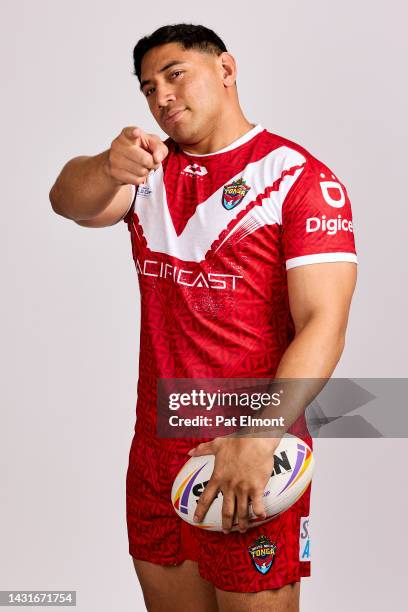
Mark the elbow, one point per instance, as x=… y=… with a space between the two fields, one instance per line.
x=328 y=332
x=335 y=341
x=341 y=343
x=53 y=197
x=55 y=200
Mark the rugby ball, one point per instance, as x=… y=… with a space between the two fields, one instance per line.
x=292 y=473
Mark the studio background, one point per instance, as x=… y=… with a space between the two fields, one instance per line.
x=328 y=75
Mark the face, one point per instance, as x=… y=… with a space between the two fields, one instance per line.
x=187 y=90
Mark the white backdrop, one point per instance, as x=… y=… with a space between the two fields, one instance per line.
x=326 y=75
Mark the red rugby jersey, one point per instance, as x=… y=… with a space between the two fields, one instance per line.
x=212 y=237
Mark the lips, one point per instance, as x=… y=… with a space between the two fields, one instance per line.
x=173 y=116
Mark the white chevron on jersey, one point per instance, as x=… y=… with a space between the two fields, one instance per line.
x=210 y=217
x=267 y=213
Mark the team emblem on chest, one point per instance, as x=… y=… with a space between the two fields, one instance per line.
x=234 y=193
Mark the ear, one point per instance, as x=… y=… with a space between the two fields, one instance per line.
x=228 y=69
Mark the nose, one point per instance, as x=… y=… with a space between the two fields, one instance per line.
x=164 y=95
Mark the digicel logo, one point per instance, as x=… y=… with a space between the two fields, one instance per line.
x=330 y=226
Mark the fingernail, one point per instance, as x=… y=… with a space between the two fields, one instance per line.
x=195 y=518
x=225 y=531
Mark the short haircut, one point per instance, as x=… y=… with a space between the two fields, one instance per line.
x=189 y=36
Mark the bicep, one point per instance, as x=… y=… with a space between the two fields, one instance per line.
x=115 y=211
x=324 y=290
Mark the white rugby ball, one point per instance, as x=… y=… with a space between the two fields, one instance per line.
x=292 y=473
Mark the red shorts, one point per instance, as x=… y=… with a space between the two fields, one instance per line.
x=265 y=557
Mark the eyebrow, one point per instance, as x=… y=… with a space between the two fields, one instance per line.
x=169 y=65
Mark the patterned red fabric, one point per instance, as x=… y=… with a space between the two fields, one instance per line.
x=158 y=535
x=212 y=238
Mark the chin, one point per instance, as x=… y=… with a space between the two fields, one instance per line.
x=182 y=134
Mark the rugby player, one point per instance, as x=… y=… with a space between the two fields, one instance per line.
x=244 y=251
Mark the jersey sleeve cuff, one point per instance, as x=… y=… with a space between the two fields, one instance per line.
x=303 y=260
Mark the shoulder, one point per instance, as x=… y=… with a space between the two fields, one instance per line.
x=289 y=148
x=313 y=176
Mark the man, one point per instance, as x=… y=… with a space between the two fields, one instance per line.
x=243 y=245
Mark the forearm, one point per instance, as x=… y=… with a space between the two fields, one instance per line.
x=84 y=188
x=309 y=360
x=314 y=352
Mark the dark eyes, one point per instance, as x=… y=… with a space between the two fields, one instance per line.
x=176 y=73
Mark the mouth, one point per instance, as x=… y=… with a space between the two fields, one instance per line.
x=173 y=117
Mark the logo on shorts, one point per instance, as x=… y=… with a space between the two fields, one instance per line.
x=262 y=553
x=304 y=539
x=234 y=193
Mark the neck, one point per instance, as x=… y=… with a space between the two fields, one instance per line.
x=226 y=131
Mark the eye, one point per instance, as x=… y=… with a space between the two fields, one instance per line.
x=175 y=74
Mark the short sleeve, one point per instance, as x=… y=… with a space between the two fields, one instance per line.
x=126 y=216
x=317 y=224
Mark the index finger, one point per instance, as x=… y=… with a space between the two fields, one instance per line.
x=136 y=134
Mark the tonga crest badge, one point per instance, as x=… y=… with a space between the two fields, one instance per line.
x=234 y=193
x=262 y=553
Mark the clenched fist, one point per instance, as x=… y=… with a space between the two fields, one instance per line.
x=133 y=154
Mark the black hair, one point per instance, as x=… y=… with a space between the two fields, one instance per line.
x=188 y=35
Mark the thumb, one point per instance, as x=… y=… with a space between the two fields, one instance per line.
x=202 y=449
